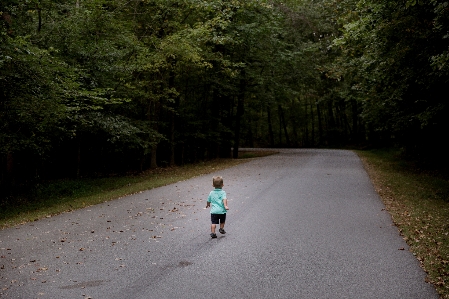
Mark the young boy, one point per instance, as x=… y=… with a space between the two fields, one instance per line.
x=217 y=199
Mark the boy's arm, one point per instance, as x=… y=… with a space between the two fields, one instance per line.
x=208 y=201
x=225 y=202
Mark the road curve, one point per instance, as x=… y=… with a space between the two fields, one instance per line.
x=304 y=223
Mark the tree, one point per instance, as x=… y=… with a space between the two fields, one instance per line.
x=392 y=47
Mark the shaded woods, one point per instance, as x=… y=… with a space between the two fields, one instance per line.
x=96 y=87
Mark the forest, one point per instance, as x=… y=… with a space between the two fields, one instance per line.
x=102 y=87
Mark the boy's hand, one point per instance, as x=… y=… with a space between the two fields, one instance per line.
x=208 y=205
x=226 y=207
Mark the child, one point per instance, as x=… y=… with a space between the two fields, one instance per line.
x=217 y=198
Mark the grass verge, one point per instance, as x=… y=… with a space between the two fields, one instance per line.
x=418 y=201
x=67 y=195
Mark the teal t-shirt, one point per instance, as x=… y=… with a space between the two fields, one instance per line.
x=216 y=201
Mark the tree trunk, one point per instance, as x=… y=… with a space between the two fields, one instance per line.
x=153 y=116
x=182 y=154
x=313 y=125
x=250 y=134
x=9 y=169
x=270 y=127
x=227 y=115
x=172 y=138
x=284 y=125
x=235 y=153
x=293 y=121
x=320 y=125
x=240 y=111
x=214 y=146
x=173 y=118
x=153 y=160
x=280 y=127
x=347 y=126
x=39 y=16
x=355 y=128
x=331 y=124
x=306 y=133
x=78 y=158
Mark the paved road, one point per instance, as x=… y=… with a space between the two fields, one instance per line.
x=302 y=224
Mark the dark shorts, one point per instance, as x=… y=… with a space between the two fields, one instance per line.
x=218 y=218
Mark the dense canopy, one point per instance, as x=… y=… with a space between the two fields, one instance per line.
x=92 y=87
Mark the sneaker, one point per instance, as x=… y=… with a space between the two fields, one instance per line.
x=212 y=235
x=222 y=231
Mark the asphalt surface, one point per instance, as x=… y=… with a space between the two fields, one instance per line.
x=301 y=224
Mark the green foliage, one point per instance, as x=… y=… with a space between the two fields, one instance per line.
x=31 y=84
x=85 y=84
x=394 y=55
x=94 y=87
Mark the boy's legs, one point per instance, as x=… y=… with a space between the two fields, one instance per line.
x=214 y=221
x=222 y=224
x=214 y=226
x=217 y=219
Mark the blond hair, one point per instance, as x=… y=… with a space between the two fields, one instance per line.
x=217 y=181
